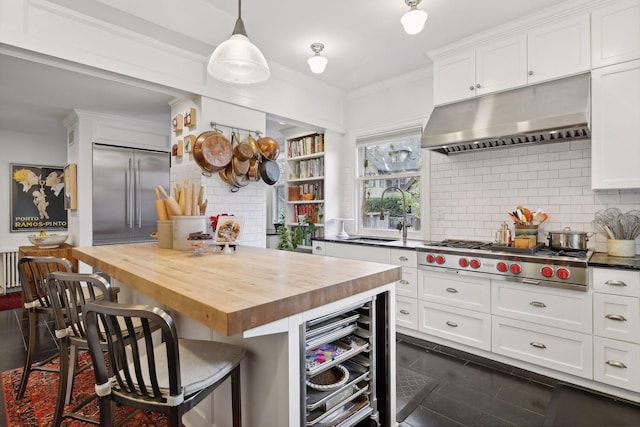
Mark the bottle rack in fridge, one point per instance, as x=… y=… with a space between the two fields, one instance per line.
x=339 y=368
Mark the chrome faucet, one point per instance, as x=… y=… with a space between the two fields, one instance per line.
x=403 y=225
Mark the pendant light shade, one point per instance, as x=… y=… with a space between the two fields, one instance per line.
x=413 y=21
x=237 y=60
x=317 y=63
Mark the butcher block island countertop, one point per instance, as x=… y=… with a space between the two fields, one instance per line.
x=238 y=292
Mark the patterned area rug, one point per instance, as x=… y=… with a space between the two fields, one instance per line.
x=10 y=301
x=411 y=389
x=37 y=407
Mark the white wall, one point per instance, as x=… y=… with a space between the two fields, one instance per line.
x=26 y=148
x=394 y=104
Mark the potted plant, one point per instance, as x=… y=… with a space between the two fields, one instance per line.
x=290 y=240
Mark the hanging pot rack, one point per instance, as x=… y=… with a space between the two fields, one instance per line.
x=214 y=126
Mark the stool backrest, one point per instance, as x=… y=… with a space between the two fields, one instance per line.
x=33 y=272
x=135 y=369
x=68 y=293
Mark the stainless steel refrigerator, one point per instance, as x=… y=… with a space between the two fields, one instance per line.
x=123 y=193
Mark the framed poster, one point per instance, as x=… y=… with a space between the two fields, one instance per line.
x=37 y=198
x=70 y=183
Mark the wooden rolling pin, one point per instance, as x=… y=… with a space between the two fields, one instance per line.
x=161 y=207
x=173 y=208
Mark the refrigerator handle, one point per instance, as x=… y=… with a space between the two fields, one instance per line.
x=128 y=208
x=138 y=197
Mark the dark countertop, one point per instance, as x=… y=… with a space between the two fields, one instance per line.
x=601 y=259
x=598 y=259
x=373 y=241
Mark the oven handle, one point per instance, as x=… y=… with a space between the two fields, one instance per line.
x=478 y=274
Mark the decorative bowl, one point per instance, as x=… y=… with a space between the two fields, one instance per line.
x=52 y=240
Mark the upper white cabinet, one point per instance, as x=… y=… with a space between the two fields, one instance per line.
x=547 y=52
x=489 y=68
x=615 y=30
x=559 y=49
x=615 y=109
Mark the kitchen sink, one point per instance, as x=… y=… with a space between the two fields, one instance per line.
x=365 y=239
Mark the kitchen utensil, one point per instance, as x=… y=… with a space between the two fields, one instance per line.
x=254 y=173
x=254 y=147
x=243 y=151
x=568 y=239
x=269 y=148
x=161 y=207
x=173 y=208
x=212 y=151
x=240 y=167
x=269 y=171
x=503 y=235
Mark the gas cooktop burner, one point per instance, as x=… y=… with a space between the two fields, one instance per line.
x=541 y=251
x=462 y=244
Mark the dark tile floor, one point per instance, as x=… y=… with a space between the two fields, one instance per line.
x=446 y=387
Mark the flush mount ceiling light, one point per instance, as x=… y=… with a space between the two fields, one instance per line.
x=317 y=63
x=237 y=60
x=413 y=21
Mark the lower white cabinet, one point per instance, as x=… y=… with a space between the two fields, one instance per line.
x=408 y=285
x=450 y=288
x=468 y=327
x=554 y=348
x=616 y=317
x=616 y=363
x=560 y=308
x=407 y=312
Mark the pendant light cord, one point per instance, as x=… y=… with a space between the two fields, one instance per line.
x=239 y=28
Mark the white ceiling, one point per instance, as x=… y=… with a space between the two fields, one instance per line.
x=364 y=43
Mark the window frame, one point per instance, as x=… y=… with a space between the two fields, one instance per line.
x=385 y=137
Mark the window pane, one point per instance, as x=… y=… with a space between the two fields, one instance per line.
x=399 y=156
x=372 y=203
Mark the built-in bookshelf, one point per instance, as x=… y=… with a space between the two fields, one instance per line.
x=305 y=174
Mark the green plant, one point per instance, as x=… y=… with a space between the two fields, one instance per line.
x=290 y=240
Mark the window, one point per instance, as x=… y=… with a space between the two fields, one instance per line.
x=389 y=180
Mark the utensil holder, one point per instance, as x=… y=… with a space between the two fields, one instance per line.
x=165 y=234
x=622 y=248
x=525 y=230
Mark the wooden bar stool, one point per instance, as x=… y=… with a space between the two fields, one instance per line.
x=33 y=272
x=169 y=375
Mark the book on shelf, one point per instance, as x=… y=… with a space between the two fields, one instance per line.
x=306 y=146
x=310 y=210
x=311 y=168
x=314 y=188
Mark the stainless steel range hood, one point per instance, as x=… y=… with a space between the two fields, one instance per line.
x=554 y=111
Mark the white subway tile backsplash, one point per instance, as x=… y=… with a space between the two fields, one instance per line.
x=555 y=178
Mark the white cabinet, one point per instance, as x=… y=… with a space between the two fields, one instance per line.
x=616 y=324
x=406 y=287
x=406 y=312
x=560 y=308
x=547 y=52
x=489 y=68
x=616 y=363
x=616 y=317
x=615 y=148
x=467 y=327
x=471 y=293
x=551 y=347
x=615 y=30
x=558 y=49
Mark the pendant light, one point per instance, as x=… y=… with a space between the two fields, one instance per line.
x=413 y=21
x=317 y=63
x=237 y=60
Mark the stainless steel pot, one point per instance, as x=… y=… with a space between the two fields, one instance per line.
x=568 y=239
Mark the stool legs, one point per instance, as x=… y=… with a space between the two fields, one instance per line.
x=33 y=321
x=235 y=397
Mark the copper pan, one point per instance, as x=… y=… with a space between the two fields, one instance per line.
x=269 y=148
x=212 y=151
x=254 y=171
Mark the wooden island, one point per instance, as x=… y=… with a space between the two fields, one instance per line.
x=261 y=299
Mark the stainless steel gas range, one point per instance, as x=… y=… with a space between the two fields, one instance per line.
x=539 y=266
